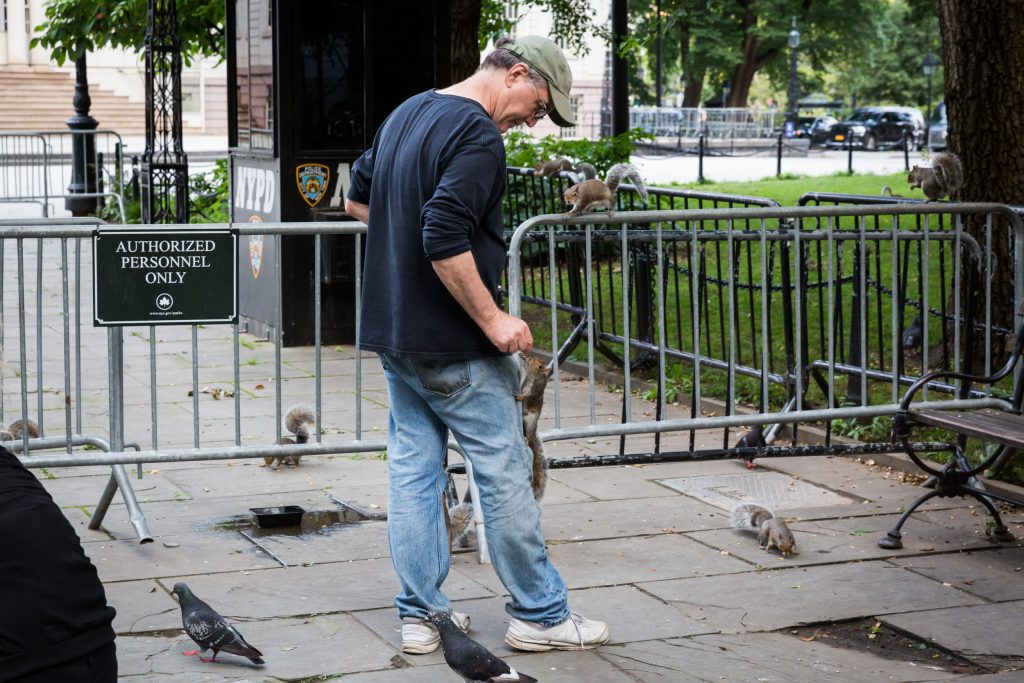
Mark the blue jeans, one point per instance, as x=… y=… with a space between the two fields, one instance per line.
x=475 y=400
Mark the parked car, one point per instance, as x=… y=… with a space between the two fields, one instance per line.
x=818 y=129
x=873 y=127
x=937 y=128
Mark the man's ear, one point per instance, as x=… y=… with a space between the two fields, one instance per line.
x=518 y=71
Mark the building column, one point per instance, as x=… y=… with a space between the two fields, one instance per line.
x=17 y=36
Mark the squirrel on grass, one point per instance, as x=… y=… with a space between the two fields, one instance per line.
x=594 y=195
x=531 y=392
x=772 y=531
x=943 y=178
x=300 y=421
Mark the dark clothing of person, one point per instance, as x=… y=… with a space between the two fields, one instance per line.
x=55 y=624
x=433 y=181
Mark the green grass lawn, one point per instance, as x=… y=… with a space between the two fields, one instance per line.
x=788 y=189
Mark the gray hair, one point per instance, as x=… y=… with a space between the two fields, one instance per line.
x=503 y=58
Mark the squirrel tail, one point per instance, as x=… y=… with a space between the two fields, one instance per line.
x=539 y=478
x=750 y=516
x=619 y=172
x=300 y=421
x=948 y=171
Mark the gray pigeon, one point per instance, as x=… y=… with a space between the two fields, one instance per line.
x=209 y=629
x=470 y=659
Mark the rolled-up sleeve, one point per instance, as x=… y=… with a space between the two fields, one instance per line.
x=362 y=178
x=454 y=211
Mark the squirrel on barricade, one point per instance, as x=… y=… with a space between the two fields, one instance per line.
x=943 y=178
x=300 y=421
x=594 y=195
x=582 y=170
x=772 y=531
x=533 y=380
x=552 y=166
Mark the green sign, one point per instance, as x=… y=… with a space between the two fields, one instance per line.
x=165 y=277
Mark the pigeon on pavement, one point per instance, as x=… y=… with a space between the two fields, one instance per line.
x=470 y=659
x=209 y=629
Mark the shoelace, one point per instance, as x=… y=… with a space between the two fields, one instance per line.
x=577 y=620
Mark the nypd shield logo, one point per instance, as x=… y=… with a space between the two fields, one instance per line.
x=255 y=249
x=312 y=180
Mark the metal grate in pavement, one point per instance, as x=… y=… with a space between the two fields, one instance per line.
x=771 y=489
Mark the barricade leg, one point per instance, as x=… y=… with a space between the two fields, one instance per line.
x=119 y=480
x=478 y=516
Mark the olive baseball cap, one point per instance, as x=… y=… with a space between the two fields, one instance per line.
x=547 y=58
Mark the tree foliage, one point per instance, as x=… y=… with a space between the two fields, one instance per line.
x=74 y=28
x=719 y=42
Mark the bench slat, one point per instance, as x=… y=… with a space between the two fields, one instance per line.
x=988 y=424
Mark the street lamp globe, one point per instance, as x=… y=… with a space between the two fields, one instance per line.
x=929 y=64
x=794 y=36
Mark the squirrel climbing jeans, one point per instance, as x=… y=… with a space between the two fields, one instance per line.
x=475 y=401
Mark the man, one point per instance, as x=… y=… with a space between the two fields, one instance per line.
x=55 y=624
x=430 y=190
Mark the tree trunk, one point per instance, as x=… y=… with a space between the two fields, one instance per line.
x=694 y=87
x=753 y=59
x=983 y=58
x=693 y=82
x=465 y=38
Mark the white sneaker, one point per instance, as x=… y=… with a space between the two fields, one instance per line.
x=420 y=638
x=575 y=633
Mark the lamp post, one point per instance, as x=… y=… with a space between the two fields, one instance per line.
x=928 y=67
x=794 y=43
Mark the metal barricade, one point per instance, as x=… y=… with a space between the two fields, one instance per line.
x=750 y=304
x=756 y=304
x=40 y=167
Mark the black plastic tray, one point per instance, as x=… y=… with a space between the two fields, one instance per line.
x=286 y=515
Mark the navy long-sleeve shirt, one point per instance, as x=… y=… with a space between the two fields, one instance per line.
x=434 y=181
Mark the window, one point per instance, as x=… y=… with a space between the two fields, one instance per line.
x=511 y=16
x=254 y=78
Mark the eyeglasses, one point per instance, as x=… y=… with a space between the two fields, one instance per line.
x=542 y=108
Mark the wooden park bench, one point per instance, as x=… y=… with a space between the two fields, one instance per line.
x=958 y=477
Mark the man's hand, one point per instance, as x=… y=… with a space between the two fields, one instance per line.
x=508 y=333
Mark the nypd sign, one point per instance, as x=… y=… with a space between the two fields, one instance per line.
x=165 y=277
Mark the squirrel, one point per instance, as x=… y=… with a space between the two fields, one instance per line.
x=552 y=166
x=300 y=421
x=17 y=429
x=593 y=195
x=944 y=177
x=459 y=518
x=531 y=392
x=772 y=531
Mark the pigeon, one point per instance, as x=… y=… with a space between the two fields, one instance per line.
x=914 y=334
x=209 y=629
x=752 y=439
x=470 y=659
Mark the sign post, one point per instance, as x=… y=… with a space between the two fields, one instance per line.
x=165 y=277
